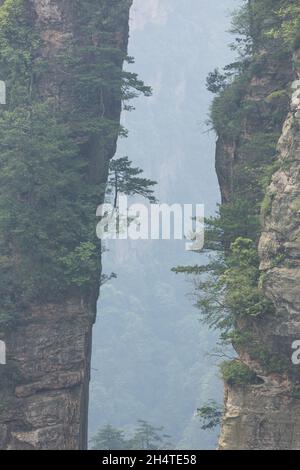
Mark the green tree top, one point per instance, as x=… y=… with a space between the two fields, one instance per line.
x=126 y=179
x=145 y=437
x=148 y=437
x=109 y=438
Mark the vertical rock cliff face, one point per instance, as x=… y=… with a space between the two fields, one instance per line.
x=50 y=345
x=266 y=414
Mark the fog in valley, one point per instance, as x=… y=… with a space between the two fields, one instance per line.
x=151 y=355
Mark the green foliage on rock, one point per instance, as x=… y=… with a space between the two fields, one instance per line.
x=236 y=373
x=126 y=179
x=228 y=289
x=109 y=438
x=148 y=437
x=227 y=112
x=210 y=415
x=55 y=151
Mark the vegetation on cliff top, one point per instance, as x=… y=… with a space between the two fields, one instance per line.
x=54 y=152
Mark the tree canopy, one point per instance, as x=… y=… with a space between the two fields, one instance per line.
x=145 y=437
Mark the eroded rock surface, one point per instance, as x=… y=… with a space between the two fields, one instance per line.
x=44 y=389
x=267 y=415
